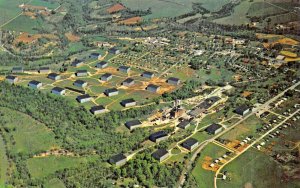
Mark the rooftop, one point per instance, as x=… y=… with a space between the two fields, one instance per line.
x=159 y=153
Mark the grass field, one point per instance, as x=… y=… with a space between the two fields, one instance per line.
x=28 y=137
x=39 y=167
x=256 y=169
x=25 y=24
x=9 y=9
x=171 y=8
x=205 y=177
x=238 y=17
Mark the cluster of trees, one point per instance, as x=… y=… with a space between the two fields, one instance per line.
x=147 y=171
x=186 y=91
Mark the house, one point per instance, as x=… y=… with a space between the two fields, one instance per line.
x=133 y=124
x=17 y=70
x=54 y=76
x=128 y=102
x=11 y=79
x=102 y=65
x=242 y=110
x=44 y=70
x=128 y=82
x=80 y=83
x=106 y=77
x=148 y=74
x=158 y=136
x=97 y=109
x=184 y=124
x=95 y=55
x=58 y=91
x=214 y=129
x=124 y=69
x=173 y=81
x=84 y=98
x=77 y=63
x=153 y=88
x=114 y=51
x=190 y=144
x=35 y=84
x=161 y=155
x=118 y=160
x=111 y=92
x=81 y=73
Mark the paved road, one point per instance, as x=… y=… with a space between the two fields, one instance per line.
x=204 y=143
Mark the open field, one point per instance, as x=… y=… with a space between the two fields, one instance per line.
x=171 y=8
x=202 y=175
x=30 y=136
x=39 y=167
x=254 y=169
x=9 y=10
x=25 y=24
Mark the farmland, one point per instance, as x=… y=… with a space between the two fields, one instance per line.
x=171 y=8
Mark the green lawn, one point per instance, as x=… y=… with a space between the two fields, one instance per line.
x=26 y=134
x=50 y=5
x=205 y=178
x=44 y=166
x=255 y=168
